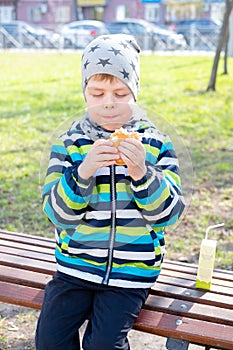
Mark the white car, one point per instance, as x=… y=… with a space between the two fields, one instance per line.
x=78 y=34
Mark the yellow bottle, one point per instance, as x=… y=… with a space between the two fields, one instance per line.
x=206 y=260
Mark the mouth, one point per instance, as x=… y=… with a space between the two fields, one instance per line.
x=111 y=122
x=110 y=118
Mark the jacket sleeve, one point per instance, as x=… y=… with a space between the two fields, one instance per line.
x=65 y=195
x=158 y=194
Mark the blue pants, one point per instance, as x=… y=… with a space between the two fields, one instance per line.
x=69 y=301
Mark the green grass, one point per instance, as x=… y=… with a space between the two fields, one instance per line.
x=41 y=93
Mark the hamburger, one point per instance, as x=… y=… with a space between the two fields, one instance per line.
x=121 y=135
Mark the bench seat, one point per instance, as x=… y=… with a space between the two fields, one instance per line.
x=175 y=308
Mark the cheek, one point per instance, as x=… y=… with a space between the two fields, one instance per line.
x=125 y=110
x=89 y=100
x=93 y=111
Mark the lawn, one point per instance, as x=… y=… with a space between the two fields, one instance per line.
x=41 y=95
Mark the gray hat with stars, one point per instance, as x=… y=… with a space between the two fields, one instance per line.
x=114 y=54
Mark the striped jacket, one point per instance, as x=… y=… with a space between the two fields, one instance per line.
x=110 y=229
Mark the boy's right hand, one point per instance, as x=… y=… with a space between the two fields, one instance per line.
x=101 y=154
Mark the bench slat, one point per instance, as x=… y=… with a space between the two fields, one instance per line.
x=180 y=282
x=27 y=263
x=27 y=254
x=185 y=276
x=196 y=331
x=192 y=270
x=27 y=278
x=21 y=295
x=27 y=239
x=186 y=308
x=198 y=295
x=26 y=247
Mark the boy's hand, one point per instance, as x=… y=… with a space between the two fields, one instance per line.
x=133 y=154
x=101 y=154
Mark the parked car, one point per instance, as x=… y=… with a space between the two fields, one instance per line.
x=168 y=39
x=205 y=29
x=204 y=26
x=79 y=33
x=28 y=35
x=148 y=35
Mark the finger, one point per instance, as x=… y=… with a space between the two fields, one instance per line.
x=103 y=157
x=128 y=150
x=106 y=149
x=133 y=142
x=130 y=159
x=103 y=142
x=108 y=163
x=134 y=156
x=134 y=145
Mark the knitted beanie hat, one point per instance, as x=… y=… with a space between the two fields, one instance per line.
x=114 y=54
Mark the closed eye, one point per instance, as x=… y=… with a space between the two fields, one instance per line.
x=121 y=94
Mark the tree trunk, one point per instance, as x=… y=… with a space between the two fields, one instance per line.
x=225 y=69
x=222 y=36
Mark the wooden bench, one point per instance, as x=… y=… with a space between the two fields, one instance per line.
x=174 y=309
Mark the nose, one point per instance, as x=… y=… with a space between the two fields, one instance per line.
x=109 y=106
x=109 y=102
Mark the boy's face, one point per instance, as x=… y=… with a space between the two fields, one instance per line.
x=108 y=102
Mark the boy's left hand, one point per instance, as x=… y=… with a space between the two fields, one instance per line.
x=133 y=154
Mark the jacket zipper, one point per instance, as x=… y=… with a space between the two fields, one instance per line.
x=113 y=225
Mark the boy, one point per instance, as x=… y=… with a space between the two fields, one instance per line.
x=109 y=219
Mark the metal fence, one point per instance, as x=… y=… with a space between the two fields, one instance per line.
x=194 y=40
x=23 y=39
x=200 y=38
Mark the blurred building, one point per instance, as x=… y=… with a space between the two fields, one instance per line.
x=52 y=13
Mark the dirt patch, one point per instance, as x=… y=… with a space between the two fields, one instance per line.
x=17 y=327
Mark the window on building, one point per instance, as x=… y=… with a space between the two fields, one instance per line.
x=6 y=13
x=122 y=12
x=62 y=14
x=152 y=12
x=34 y=14
x=97 y=13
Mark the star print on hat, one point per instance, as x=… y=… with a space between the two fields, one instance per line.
x=114 y=54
